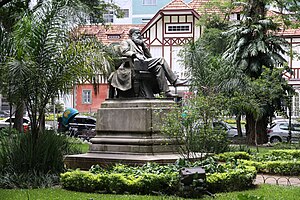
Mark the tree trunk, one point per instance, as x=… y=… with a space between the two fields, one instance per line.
x=238 y=125
x=261 y=129
x=18 y=122
x=250 y=129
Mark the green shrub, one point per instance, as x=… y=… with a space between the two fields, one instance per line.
x=286 y=145
x=28 y=180
x=275 y=167
x=233 y=155
x=80 y=181
x=237 y=179
x=160 y=179
x=119 y=182
x=21 y=156
x=286 y=152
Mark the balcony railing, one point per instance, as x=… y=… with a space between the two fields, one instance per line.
x=294 y=76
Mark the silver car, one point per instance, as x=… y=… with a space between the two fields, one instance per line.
x=279 y=132
x=231 y=131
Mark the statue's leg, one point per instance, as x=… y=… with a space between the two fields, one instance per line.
x=168 y=73
x=160 y=75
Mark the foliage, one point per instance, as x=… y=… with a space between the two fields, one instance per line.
x=232 y=155
x=281 y=154
x=33 y=179
x=286 y=145
x=203 y=61
x=46 y=60
x=237 y=179
x=154 y=179
x=119 y=182
x=89 y=11
x=288 y=168
x=19 y=153
x=253 y=49
x=283 y=162
x=191 y=125
x=23 y=164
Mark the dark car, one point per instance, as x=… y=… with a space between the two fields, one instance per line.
x=80 y=125
x=5 y=123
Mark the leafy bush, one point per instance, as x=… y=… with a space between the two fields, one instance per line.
x=237 y=179
x=286 y=153
x=120 y=182
x=29 y=180
x=192 y=126
x=275 y=167
x=233 y=155
x=21 y=156
x=153 y=178
x=286 y=145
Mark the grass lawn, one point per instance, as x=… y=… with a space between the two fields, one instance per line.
x=262 y=192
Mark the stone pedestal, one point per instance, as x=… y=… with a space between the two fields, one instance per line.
x=128 y=132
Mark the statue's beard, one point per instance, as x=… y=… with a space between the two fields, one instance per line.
x=137 y=41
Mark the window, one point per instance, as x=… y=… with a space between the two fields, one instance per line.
x=145 y=20
x=296 y=127
x=125 y=12
x=86 y=96
x=109 y=17
x=149 y=2
x=284 y=126
x=182 y=28
x=113 y=36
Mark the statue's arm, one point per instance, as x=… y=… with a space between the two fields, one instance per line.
x=146 y=51
x=125 y=49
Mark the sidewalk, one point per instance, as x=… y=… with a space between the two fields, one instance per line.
x=277 y=180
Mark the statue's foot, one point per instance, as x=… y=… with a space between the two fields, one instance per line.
x=180 y=82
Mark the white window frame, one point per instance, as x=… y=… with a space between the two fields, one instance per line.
x=179 y=25
x=86 y=96
x=126 y=13
x=149 y=2
x=109 y=17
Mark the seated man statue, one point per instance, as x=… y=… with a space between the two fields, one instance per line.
x=135 y=48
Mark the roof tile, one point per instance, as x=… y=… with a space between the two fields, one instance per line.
x=176 y=4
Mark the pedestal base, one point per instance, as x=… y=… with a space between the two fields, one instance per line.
x=128 y=133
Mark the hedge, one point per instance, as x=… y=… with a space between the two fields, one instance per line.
x=238 y=179
x=275 y=167
x=149 y=183
x=233 y=155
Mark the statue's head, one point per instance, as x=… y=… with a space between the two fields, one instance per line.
x=134 y=30
x=136 y=36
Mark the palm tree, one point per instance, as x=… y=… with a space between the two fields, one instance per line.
x=47 y=61
x=11 y=11
x=252 y=47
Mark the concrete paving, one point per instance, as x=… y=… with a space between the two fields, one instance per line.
x=277 y=180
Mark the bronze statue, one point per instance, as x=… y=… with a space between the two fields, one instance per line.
x=135 y=49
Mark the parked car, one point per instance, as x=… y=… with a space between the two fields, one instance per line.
x=279 y=132
x=4 y=123
x=80 y=125
x=283 y=120
x=231 y=131
x=4 y=113
x=26 y=123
